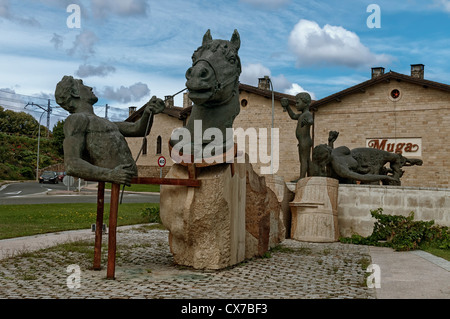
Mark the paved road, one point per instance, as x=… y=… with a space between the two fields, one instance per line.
x=35 y=193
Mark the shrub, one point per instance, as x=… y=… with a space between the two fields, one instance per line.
x=151 y=214
x=403 y=233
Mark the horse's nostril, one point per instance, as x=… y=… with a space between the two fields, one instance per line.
x=204 y=73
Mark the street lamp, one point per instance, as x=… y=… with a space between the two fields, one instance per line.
x=39 y=133
x=39 y=141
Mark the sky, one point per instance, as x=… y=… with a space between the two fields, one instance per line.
x=130 y=50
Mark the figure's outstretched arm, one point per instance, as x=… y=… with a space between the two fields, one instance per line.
x=344 y=172
x=332 y=136
x=285 y=105
x=138 y=129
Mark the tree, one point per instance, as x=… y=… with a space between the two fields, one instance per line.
x=58 y=137
x=19 y=123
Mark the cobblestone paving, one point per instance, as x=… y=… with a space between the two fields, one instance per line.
x=145 y=269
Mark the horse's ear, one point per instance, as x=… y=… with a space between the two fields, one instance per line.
x=236 y=39
x=207 y=37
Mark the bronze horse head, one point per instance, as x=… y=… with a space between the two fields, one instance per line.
x=213 y=84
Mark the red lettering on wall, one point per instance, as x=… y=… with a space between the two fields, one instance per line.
x=382 y=144
x=376 y=144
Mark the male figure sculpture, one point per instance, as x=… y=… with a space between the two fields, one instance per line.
x=95 y=148
x=304 y=122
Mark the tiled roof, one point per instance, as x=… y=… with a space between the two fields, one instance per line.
x=391 y=75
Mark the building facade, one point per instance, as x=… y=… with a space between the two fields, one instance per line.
x=390 y=111
x=397 y=113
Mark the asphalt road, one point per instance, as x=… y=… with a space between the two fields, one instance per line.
x=35 y=193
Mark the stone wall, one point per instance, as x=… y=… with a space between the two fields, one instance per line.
x=163 y=125
x=356 y=201
x=258 y=114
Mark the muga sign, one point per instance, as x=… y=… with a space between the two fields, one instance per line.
x=409 y=147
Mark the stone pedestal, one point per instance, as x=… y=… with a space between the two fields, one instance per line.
x=264 y=223
x=206 y=224
x=284 y=196
x=314 y=210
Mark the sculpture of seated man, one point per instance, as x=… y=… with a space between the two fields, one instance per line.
x=95 y=148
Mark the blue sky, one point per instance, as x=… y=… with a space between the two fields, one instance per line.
x=129 y=50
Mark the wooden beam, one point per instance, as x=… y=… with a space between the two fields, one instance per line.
x=99 y=225
x=166 y=181
x=113 y=212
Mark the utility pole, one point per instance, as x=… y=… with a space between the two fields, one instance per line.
x=49 y=110
x=106 y=111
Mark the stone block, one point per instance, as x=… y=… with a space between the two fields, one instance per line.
x=206 y=224
x=264 y=223
x=227 y=219
x=285 y=196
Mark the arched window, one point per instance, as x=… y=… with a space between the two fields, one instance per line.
x=158 y=145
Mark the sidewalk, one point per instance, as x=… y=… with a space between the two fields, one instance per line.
x=301 y=271
x=412 y=275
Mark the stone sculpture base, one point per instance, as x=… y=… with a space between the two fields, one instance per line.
x=264 y=216
x=229 y=218
x=206 y=224
x=314 y=210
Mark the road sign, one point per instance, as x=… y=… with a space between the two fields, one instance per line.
x=162 y=161
x=68 y=181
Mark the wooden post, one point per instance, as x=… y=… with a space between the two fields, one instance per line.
x=113 y=212
x=99 y=225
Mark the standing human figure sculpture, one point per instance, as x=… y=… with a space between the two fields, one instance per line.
x=303 y=131
x=95 y=148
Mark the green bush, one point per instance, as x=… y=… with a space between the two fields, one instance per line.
x=151 y=214
x=403 y=233
x=27 y=172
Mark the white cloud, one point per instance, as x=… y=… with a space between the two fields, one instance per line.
x=124 y=94
x=270 y=4
x=86 y=70
x=330 y=45
x=295 y=89
x=444 y=4
x=84 y=44
x=101 y=8
x=251 y=72
x=4 y=9
x=57 y=41
x=5 y=12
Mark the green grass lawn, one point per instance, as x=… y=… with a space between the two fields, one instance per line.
x=27 y=220
x=443 y=253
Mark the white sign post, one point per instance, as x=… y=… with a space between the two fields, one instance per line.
x=161 y=164
x=68 y=181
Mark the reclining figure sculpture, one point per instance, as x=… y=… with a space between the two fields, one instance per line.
x=363 y=164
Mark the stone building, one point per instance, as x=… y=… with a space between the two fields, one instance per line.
x=391 y=111
x=394 y=112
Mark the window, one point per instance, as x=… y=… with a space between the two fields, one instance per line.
x=158 y=145
x=395 y=94
x=144 y=147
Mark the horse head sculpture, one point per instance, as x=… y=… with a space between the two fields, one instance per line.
x=213 y=84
